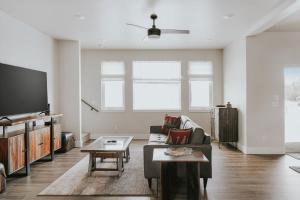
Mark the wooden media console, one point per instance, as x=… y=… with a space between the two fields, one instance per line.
x=18 y=149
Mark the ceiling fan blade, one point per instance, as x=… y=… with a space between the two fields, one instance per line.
x=174 y=31
x=137 y=26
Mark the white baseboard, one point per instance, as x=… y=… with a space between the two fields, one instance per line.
x=260 y=150
x=292 y=147
x=85 y=137
x=138 y=136
x=265 y=150
x=78 y=143
x=242 y=148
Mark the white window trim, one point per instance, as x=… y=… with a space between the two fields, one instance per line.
x=199 y=77
x=196 y=108
x=154 y=81
x=103 y=107
x=112 y=77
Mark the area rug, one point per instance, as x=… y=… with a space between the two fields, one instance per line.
x=294 y=155
x=76 y=181
x=295 y=168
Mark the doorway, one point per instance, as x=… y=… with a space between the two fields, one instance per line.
x=292 y=109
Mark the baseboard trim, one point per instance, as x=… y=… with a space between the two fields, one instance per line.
x=85 y=137
x=265 y=150
x=292 y=147
x=242 y=148
x=78 y=143
x=136 y=135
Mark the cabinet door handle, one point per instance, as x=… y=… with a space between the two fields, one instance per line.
x=41 y=143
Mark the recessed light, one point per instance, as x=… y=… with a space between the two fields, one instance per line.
x=229 y=16
x=79 y=16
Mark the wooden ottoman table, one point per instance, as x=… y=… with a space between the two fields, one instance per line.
x=108 y=147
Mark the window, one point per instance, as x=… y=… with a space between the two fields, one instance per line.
x=156 y=85
x=200 y=85
x=112 y=85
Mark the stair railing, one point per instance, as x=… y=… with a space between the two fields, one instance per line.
x=89 y=105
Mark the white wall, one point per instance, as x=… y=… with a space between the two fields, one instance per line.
x=137 y=123
x=23 y=46
x=69 y=62
x=267 y=55
x=234 y=76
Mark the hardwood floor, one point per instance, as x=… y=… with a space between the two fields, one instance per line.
x=235 y=177
x=244 y=177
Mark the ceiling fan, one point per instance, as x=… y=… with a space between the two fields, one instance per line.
x=154 y=32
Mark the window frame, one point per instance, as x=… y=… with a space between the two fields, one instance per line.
x=199 y=77
x=112 y=77
x=157 y=81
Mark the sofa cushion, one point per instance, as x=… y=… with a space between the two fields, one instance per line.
x=198 y=136
x=170 y=122
x=187 y=124
x=179 y=136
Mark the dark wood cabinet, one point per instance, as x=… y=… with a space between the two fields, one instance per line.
x=226 y=125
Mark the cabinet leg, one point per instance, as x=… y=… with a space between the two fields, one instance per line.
x=149 y=182
x=205 y=182
x=27 y=160
x=52 y=140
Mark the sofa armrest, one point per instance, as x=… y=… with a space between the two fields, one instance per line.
x=155 y=129
x=207 y=139
x=151 y=169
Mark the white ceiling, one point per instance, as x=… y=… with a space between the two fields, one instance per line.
x=290 y=24
x=105 y=20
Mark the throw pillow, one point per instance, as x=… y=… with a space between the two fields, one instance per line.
x=170 y=122
x=179 y=136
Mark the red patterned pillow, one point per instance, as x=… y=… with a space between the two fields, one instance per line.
x=179 y=136
x=170 y=122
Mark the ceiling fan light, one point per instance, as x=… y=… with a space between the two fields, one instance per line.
x=153 y=37
x=153 y=33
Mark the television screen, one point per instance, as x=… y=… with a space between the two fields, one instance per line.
x=22 y=90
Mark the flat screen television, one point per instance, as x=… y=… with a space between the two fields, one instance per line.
x=22 y=91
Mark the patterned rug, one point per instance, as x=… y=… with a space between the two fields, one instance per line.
x=295 y=168
x=132 y=182
x=294 y=155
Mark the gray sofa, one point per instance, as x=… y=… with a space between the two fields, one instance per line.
x=199 y=141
